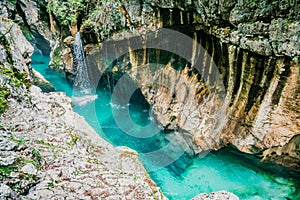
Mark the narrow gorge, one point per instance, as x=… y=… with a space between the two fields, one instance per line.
x=196 y=88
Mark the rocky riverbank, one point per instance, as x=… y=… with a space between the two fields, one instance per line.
x=49 y=152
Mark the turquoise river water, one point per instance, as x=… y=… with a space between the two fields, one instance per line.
x=214 y=172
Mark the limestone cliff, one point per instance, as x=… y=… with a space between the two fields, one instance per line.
x=254 y=44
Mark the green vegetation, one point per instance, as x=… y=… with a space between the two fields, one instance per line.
x=4 y=93
x=23 y=161
x=101 y=16
x=66 y=11
x=50 y=185
x=5 y=43
x=26 y=32
x=14 y=78
x=16 y=166
x=5 y=170
x=56 y=60
x=14 y=2
x=74 y=139
x=172 y=118
x=49 y=145
x=37 y=155
x=107 y=18
x=19 y=140
x=11 y=75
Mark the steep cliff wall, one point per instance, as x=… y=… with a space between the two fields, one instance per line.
x=254 y=44
x=260 y=105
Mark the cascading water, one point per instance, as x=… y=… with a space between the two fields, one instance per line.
x=82 y=81
x=82 y=87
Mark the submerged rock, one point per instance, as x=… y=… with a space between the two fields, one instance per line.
x=220 y=195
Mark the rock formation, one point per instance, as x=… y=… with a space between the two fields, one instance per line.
x=49 y=152
x=254 y=44
x=255 y=47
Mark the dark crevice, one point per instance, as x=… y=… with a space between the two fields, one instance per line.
x=165 y=17
x=217 y=54
x=224 y=63
x=256 y=90
x=269 y=73
x=20 y=11
x=38 y=38
x=185 y=18
x=176 y=16
x=208 y=49
x=282 y=81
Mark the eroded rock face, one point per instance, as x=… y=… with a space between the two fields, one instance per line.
x=256 y=53
x=34 y=19
x=19 y=50
x=20 y=53
x=263 y=89
x=287 y=155
x=262 y=27
x=259 y=110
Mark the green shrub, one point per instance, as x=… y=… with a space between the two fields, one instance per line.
x=172 y=118
x=4 y=93
x=66 y=11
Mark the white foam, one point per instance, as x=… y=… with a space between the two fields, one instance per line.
x=84 y=99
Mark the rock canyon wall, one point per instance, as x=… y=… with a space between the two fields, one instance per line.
x=254 y=45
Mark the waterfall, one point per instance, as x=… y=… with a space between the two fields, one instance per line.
x=83 y=91
x=82 y=80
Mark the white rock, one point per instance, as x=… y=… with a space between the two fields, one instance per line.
x=7 y=158
x=29 y=169
x=6 y=145
x=5 y=191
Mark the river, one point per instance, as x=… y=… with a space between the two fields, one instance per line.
x=187 y=176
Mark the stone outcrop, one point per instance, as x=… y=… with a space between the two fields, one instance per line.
x=46 y=150
x=53 y=153
x=32 y=17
